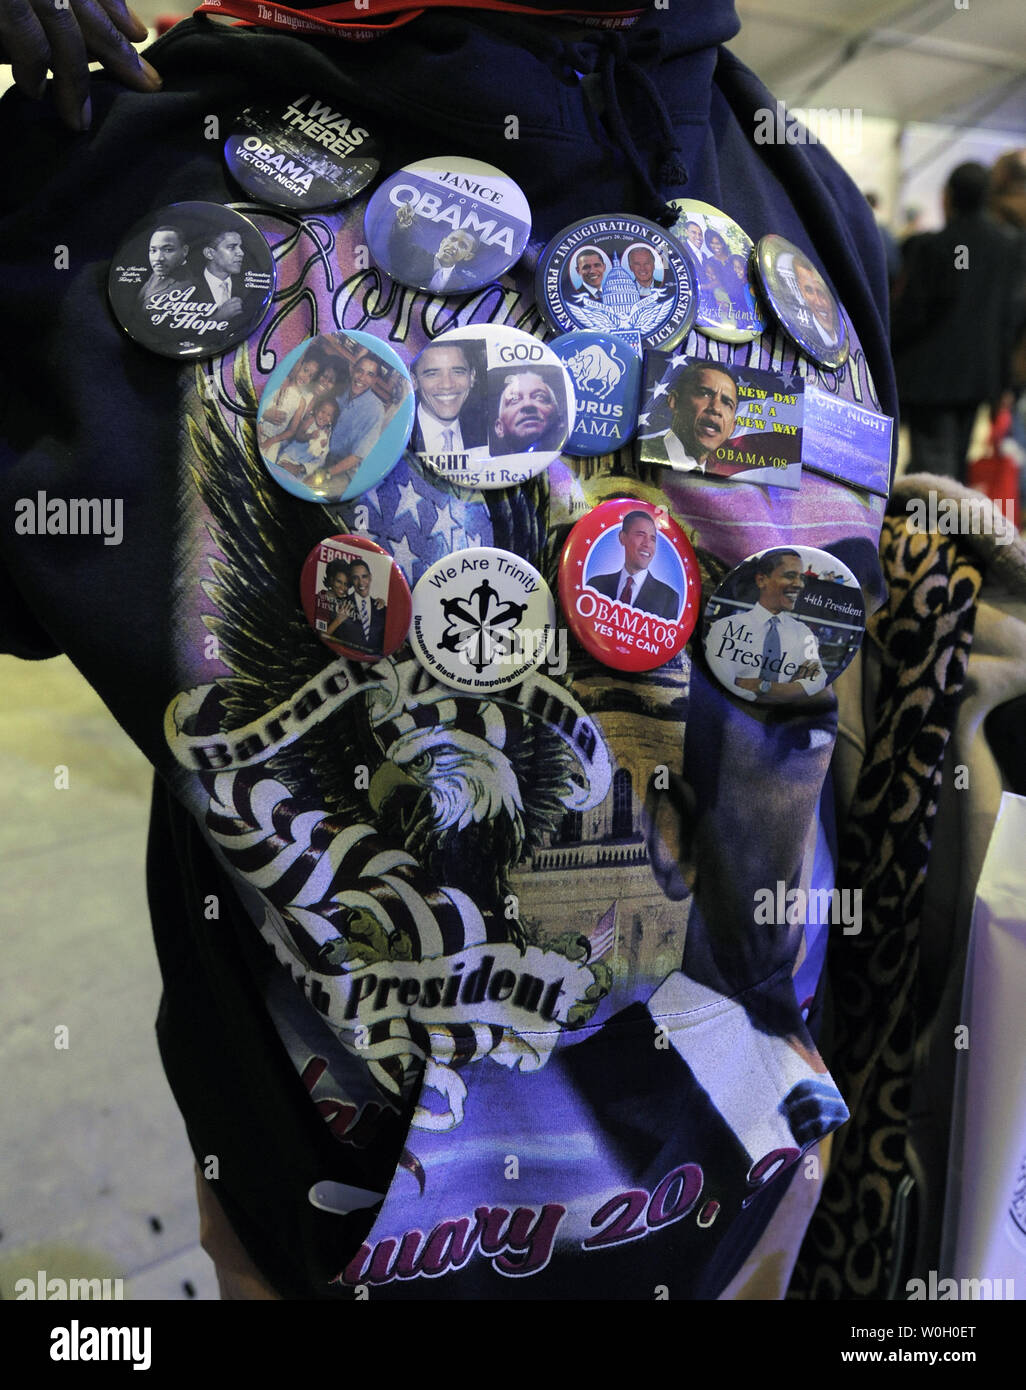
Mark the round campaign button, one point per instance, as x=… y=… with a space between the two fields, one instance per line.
x=606 y=373
x=629 y=585
x=721 y=253
x=335 y=416
x=301 y=153
x=617 y=274
x=355 y=597
x=783 y=624
x=191 y=279
x=483 y=619
x=494 y=406
x=801 y=301
x=449 y=225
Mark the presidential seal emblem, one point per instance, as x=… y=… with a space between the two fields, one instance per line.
x=620 y=274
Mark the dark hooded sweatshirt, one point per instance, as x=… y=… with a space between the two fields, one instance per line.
x=623 y=1110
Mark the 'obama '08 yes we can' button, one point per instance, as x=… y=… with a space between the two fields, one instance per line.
x=783 y=624
x=629 y=585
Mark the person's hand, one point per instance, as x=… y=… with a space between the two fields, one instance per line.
x=404 y=215
x=230 y=308
x=37 y=35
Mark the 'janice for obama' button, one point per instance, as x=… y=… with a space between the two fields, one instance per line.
x=300 y=153
x=448 y=225
x=191 y=279
x=783 y=624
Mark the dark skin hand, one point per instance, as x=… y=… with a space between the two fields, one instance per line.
x=65 y=36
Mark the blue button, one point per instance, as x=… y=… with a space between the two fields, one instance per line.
x=606 y=373
x=335 y=416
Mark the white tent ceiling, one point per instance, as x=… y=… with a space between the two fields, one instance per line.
x=961 y=62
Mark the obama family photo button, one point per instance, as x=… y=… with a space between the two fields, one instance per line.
x=335 y=416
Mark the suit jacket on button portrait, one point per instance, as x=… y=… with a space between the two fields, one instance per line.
x=653 y=597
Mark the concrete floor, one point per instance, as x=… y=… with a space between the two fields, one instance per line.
x=95 y=1172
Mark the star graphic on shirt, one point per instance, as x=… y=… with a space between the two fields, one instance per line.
x=403 y=556
x=446 y=523
x=643 y=418
x=408 y=500
x=372 y=498
x=661 y=389
x=473 y=540
x=678 y=359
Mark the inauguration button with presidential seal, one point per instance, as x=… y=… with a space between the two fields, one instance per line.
x=301 y=153
x=801 y=301
x=449 y=225
x=355 y=597
x=606 y=373
x=494 y=406
x=191 y=279
x=483 y=619
x=617 y=274
x=783 y=624
x=629 y=585
x=721 y=252
x=335 y=416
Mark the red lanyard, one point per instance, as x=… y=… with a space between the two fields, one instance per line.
x=345 y=20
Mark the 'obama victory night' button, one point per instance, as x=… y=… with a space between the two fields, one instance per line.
x=335 y=416
x=449 y=225
x=300 y=153
x=801 y=301
x=494 y=406
x=191 y=279
x=355 y=597
x=721 y=252
x=783 y=624
x=629 y=585
x=606 y=373
x=483 y=619
x=617 y=274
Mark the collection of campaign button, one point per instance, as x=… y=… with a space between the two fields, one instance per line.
x=490 y=407
x=355 y=597
x=494 y=406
